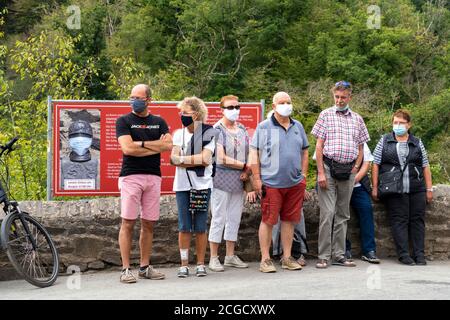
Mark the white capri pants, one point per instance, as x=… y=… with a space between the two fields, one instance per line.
x=226 y=210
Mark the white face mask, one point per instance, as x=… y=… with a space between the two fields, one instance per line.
x=284 y=110
x=231 y=115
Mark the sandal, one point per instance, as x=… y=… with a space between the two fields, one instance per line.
x=322 y=264
x=302 y=261
x=343 y=262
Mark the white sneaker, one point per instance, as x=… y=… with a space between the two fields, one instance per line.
x=234 y=261
x=215 y=265
x=127 y=276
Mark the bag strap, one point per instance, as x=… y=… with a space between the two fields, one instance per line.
x=182 y=150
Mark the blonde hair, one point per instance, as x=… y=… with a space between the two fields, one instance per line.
x=197 y=105
x=226 y=98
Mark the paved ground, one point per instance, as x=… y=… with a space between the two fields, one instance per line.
x=389 y=280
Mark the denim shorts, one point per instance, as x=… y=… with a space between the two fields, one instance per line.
x=187 y=221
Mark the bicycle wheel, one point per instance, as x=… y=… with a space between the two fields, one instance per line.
x=38 y=266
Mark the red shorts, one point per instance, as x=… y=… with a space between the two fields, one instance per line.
x=284 y=203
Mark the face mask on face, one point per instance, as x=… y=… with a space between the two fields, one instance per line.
x=80 y=145
x=138 y=105
x=231 y=115
x=342 y=109
x=187 y=120
x=399 y=129
x=284 y=110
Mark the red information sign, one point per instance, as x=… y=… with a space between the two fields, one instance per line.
x=98 y=172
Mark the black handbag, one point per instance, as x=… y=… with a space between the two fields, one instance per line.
x=198 y=199
x=390 y=182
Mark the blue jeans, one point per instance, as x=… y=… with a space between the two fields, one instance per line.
x=362 y=205
x=187 y=221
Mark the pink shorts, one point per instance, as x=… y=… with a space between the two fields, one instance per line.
x=139 y=193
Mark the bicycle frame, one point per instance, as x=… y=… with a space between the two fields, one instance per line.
x=13 y=207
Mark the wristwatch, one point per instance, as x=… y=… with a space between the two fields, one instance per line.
x=181 y=158
x=430 y=189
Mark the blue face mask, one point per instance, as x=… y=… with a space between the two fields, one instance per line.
x=138 y=105
x=80 y=145
x=400 y=130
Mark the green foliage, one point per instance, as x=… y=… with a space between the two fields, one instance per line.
x=250 y=48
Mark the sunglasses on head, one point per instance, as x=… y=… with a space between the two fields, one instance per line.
x=237 y=107
x=344 y=84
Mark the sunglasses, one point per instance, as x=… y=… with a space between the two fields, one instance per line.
x=232 y=107
x=344 y=84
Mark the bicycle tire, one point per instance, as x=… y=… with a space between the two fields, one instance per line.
x=10 y=230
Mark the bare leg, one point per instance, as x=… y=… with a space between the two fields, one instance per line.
x=201 y=241
x=184 y=242
x=265 y=238
x=213 y=249
x=230 y=248
x=287 y=235
x=145 y=241
x=125 y=239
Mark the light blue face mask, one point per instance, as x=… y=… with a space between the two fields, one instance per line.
x=80 y=145
x=342 y=109
x=400 y=130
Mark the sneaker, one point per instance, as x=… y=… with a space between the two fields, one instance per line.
x=200 y=271
x=183 y=272
x=150 y=273
x=234 y=261
x=406 y=260
x=127 y=276
x=370 y=257
x=267 y=266
x=215 y=265
x=290 y=264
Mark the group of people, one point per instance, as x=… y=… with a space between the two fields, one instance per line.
x=220 y=167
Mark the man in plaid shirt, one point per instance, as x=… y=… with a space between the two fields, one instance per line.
x=341 y=134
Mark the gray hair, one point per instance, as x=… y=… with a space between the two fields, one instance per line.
x=279 y=95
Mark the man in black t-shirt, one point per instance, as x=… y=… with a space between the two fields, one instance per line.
x=142 y=137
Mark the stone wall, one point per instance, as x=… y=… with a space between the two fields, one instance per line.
x=86 y=231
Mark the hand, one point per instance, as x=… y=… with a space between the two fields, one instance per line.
x=175 y=160
x=429 y=196
x=251 y=197
x=307 y=196
x=257 y=186
x=244 y=176
x=322 y=181
x=165 y=137
x=375 y=194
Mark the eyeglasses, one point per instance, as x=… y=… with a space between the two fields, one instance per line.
x=232 y=107
x=344 y=84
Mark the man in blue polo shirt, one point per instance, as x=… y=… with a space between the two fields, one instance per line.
x=279 y=161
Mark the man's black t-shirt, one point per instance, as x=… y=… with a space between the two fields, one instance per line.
x=141 y=129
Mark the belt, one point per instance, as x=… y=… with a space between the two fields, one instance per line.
x=330 y=161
